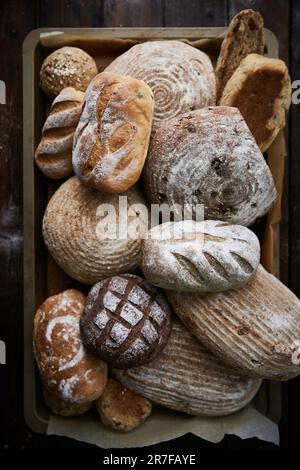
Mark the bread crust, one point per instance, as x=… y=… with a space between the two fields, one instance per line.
x=53 y=155
x=261 y=89
x=245 y=35
x=255 y=329
x=112 y=137
x=64 y=408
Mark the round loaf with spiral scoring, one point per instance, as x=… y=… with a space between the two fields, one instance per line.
x=202 y=257
x=53 y=155
x=210 y=157
x=126 y=321
x=81 y=230
x=187 y=377
x=181 y=77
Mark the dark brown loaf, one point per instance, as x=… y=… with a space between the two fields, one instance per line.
x=255 y=329
x=187 y=377
x=210 y=157
x=125 y=321
x=112 y=137
x=53 y=155
x=245 y=35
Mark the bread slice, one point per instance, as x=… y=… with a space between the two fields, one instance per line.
x=245 y=35
x=261 y=89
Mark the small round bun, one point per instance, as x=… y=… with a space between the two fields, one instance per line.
x=126 y=321
x=65 y=67
x=64 y=408
x=121 y=409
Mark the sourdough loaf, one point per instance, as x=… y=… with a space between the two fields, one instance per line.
x=53 y=155
x=80 y=229
x=180 y=76
x=112 y=137
x=210 y=157
x=202 y=257
x=255 y=329
x=187 y=377
x=261 y=89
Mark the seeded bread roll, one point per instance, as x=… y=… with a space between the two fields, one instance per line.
x=264 y=85
x=67 y=370
x=126 y=321
x=181 y=77
x=255 y=329
x=66 y=67
x=53 y=155
x=122 y=409
x=209 y=157
x=187 y=377
x=64 y=408
x=245 y=35
x=112 y=137
x=207 y=256
x=85 y=240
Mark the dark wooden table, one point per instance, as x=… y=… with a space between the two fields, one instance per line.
x=17 y=19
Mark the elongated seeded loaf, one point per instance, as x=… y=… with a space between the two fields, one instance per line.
x=187 y=377
x=261 y=89
x=255 y=329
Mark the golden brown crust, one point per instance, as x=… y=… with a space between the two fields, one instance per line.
x=122 y=409
x=261 y=89
x=112 y=137
x=64 y=408
x=66 y=369
x=66 y=67
x=245 y=35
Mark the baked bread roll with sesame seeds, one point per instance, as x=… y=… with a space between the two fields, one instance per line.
x=112 y=138
x=68 y=371
x=254 y=329
x=187 y=377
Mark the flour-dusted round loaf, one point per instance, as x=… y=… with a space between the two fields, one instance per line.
x=82 y=231
x=122 y=409
x=64 y=408
x=255 y=329
x=66 y=67
x=180 y=76
x=112 y=137
x=68 y=371
x=187 y=377
x=126 y=321
x=210 y=157
x=53 y=155
x=207 y=256
x=261 y=89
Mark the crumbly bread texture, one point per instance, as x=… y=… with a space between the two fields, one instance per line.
x=53 y=155
x=66 y=67
x=84 y=240
x=180 y=76
x=64 y=408
x=261 y=89
x=207 y=256
x=187 y=377
x=122 y=409
x=255 y=329
x=112 y=137
x=245 y=35
x=210 y=157
x=66 y=369
x=126 y=321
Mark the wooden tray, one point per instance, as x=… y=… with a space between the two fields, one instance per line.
x=38 y=271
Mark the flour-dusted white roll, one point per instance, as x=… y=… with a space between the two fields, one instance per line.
x=83 y=232
x=202 y=257
x=255 y=329
x=209 y=157
x=181 y=77
x=187 y=377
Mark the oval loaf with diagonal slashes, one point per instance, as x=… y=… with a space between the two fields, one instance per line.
x=255 y=329
x=187 y=377
x=207 y=256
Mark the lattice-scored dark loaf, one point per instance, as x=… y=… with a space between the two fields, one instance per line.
x=126 y=321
